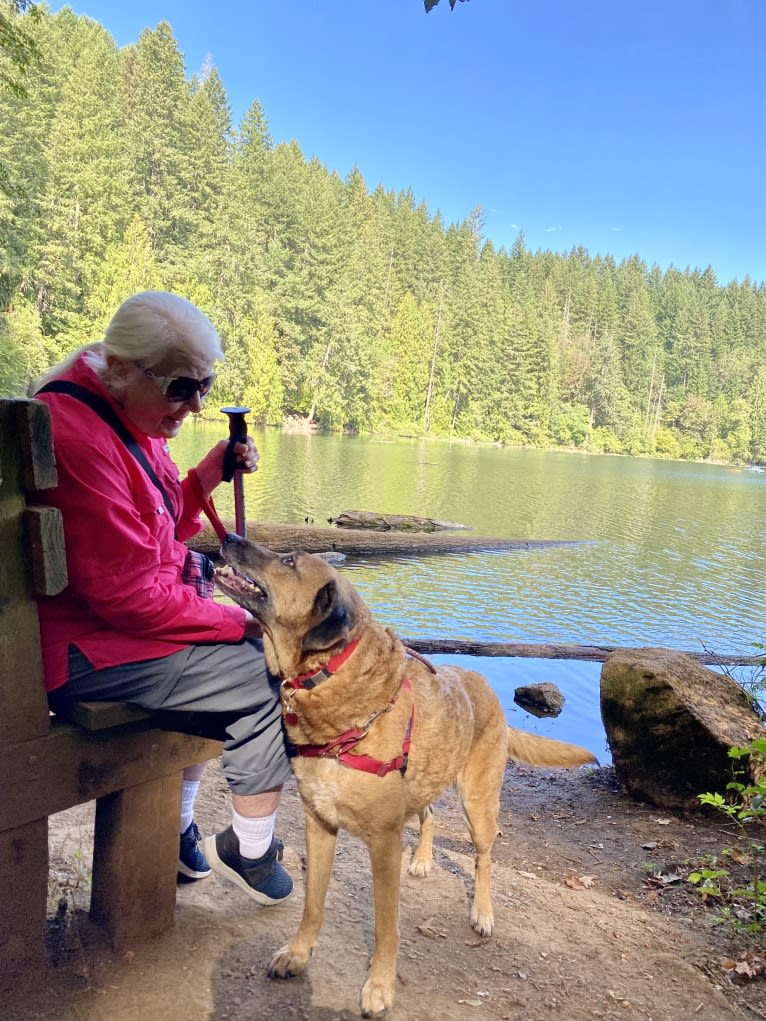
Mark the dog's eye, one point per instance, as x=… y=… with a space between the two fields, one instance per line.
x=288 y=561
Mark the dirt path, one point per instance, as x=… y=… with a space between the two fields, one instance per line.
x=590 y=924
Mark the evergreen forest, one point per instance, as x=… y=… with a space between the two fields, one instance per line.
x=347 y=307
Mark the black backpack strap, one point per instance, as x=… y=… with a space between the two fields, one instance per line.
x=103 y=408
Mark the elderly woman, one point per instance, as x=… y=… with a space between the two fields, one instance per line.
x=135 y=622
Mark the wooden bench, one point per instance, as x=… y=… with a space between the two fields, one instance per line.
x=108 y=752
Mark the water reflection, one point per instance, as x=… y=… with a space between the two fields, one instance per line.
x=670 y=554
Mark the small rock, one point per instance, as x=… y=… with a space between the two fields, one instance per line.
x=543 y=699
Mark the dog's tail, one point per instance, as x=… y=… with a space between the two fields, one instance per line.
x=544 y=751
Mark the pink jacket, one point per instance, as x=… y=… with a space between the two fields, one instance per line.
x=125 y=600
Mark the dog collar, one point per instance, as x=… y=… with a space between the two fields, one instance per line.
x=340 y=748
x=334 y=664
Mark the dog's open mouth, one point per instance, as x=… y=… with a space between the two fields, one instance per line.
x=238 y=586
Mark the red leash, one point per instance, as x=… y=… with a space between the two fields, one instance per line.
x=206 y=503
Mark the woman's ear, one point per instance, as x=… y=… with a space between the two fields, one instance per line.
x=117 y=375
x=118 y=369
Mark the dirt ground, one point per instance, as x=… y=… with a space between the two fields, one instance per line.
x=593 y=920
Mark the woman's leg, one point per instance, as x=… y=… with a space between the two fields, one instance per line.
x=192 y=863
x=226 y=692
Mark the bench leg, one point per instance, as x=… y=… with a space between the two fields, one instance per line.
x=135 y=858
x=23 y=900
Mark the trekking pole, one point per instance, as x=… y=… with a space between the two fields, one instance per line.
x=237 y=434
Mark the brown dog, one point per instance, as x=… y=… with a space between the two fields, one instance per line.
x=377 y=736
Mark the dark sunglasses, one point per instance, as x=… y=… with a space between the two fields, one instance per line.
x=178 y=389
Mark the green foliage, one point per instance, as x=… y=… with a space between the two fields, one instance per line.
x=741 y=901
x=25 y=352
x=18 y=49
x=352 y=309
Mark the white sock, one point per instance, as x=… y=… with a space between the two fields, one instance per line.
x=254 y=835
x=189 y=790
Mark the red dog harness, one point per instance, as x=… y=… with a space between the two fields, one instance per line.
x=340 y=747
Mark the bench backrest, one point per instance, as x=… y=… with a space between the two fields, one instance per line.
x=32 y=562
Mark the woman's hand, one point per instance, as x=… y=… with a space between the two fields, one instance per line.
x=253 y=628
x=210 y=468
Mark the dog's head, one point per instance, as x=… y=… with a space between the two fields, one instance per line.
x=307 y=609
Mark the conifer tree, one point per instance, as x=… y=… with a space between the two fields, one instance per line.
x=85 y=201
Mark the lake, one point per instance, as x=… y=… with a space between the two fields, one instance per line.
x=667 y=553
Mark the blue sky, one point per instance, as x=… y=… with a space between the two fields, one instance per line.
x=621 y=126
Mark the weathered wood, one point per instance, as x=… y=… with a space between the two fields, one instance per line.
x=283 y=538
x=23 y=900
x=134 y=883
x=44 y=528
x=546 y=650
x=394 y=522
x=133 y=771
x=34 y=434
x=70 y=766
x=95 y=716
x=23 y=706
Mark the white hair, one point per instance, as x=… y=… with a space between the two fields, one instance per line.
x=147 y=327
x=151 y=324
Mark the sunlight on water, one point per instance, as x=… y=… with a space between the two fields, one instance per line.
x=669 y=554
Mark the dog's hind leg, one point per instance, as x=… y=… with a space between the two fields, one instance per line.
x=423 y=856
x=320 y=854
x=386 y=858
x=479 y=788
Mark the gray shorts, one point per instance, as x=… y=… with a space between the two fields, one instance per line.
x=220 y=691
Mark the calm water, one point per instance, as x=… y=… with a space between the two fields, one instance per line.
x=669 y=553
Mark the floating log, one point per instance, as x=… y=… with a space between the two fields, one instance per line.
x=362 y=542
x=355 y=542
x=394 y=522
x=546 y=650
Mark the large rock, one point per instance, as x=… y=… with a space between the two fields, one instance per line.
x=670 y=722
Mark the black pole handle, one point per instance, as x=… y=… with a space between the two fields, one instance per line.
x=237 y=434
x=237 y=423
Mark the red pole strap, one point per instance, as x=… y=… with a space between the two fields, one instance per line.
x=206 y=503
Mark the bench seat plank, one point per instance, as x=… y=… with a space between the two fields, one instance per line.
x=92 y=716
x=70 y=766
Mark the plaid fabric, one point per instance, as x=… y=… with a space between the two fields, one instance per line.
x=198 y=571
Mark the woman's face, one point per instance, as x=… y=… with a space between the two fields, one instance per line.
x=152 y=411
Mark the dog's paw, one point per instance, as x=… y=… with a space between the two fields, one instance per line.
x=482 y=923
x=376 y=998
x=286 y=962
x=420 y=867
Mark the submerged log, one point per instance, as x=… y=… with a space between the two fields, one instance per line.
x=394 y=522
x=363 y=542
x=286 y=538
x=548 y=650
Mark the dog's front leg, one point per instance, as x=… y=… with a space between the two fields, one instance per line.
x=386 y=859
x=320 y=854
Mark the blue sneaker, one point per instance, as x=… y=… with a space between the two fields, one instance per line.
x=264 y=879
x=192 y=863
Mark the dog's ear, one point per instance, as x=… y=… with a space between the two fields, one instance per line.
x=337 y=619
